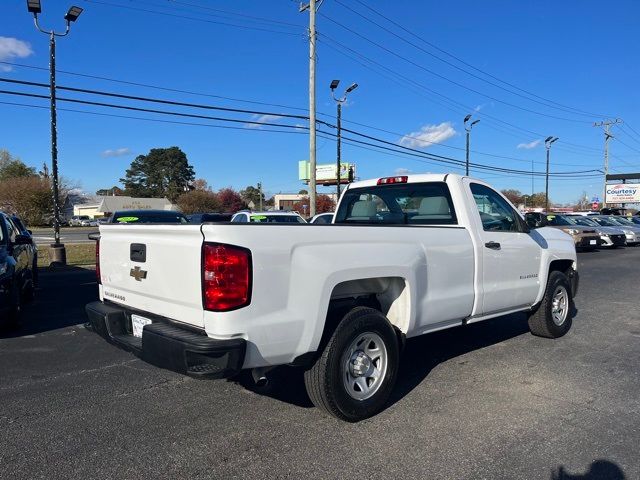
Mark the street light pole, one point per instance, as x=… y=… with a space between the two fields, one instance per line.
x=58 y=251
x=339 y=102
x=468 y=130
x=547 y=144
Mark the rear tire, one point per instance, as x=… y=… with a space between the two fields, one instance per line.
x=356 y=372
x=553 y=317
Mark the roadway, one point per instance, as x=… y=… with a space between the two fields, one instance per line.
x=485 y=401
x=44 y=236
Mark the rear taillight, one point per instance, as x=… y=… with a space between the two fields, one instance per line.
x=226 y=277
x=98 y=262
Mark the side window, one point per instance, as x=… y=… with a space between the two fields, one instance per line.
x=496 y=214
x=241 y=218
x=12 y=231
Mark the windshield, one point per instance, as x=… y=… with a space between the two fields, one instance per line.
x=623 y=221
x=584 y=221
x=261 y=218
x=605 y=222
x=560 y=220
x=635 y=220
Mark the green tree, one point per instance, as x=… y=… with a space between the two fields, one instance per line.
x=108 y=192
x=198 y=201
x=13 y=167
x=252 y=194
x=163 y=172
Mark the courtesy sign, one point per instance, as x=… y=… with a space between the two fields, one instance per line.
x=623 y=193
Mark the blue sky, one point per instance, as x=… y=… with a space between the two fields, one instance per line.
x=576 y=53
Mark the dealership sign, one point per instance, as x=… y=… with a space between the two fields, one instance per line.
x=623 y=193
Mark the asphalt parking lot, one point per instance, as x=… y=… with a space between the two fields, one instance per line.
x=486 y=401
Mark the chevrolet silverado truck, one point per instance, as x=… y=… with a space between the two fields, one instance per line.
x=405 y=256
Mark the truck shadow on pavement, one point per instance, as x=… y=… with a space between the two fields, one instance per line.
x=598 y=470
x=59 y=301
x=420 y=356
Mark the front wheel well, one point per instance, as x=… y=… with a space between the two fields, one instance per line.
x=563 y=266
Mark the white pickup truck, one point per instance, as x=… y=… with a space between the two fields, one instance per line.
x=405 y=256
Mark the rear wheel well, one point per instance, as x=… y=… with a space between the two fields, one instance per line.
x=561 y=266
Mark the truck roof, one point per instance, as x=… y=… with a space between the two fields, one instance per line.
x=416 y=178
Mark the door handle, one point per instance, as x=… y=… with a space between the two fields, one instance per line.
x=492 y=245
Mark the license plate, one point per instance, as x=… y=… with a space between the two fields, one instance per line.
x=137 y=324
x=592 y=242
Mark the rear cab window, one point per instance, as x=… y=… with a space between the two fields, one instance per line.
x=398 y=204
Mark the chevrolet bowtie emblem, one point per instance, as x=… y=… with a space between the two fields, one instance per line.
x=138 y=274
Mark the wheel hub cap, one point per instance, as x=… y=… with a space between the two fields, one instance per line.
x=560 y=306
x=360 y=364
x=364 y=366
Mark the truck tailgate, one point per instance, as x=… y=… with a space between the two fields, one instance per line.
x=153 y=268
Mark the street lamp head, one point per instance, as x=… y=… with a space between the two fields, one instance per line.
x=473 y=123
x=334 y=84
x=554 y=139
x=466 y=119
x=33 y=6
x=73 y=14
x=548 y=139
x=352 y=88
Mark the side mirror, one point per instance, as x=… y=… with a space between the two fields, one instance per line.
x=536 y=220
x=22 y=240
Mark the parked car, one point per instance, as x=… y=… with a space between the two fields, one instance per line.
x=611 y=237
x=583 y=237
x=609 y=221
x=102 y=220
x=76 y=220
x=322 y=218
x=25 y=231
x=209 y=217
x=267 y=217
x=634 y=219
x=16 y=270
x=148 y=216
x=631 y=230
x=407 y=255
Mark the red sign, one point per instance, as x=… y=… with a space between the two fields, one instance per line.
x=594 y=206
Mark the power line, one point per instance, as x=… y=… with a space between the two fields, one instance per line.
x=447 y=79
x=458 y=107
x=440 y=158
x=184 y=17
x=156 y=87
x=102 y=114
x=154 y=100
x=368 y=7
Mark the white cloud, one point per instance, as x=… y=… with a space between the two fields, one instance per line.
x=11 y=48
x=258 y=119
x=530 y=145
x=428 y=135
x=118 y=152
x=402 y=171
x=478 y=108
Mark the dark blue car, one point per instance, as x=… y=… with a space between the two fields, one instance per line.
x=17 y=274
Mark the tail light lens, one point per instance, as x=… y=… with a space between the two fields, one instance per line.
x=98 y=262
x=390 y=180
x=226 y=277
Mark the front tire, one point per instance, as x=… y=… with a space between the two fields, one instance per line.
x=553 y=317
x=356 y=372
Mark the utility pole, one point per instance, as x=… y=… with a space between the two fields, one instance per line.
x=58 y=251
x=607 y=136
x=547 y=144
x=468 y=130
x=312 y=104
x=260 y=191
x=339 y=101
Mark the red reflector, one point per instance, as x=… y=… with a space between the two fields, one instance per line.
x=388 y=180
x=226 y=277
x=98 y=262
